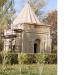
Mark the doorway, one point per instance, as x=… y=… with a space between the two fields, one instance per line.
x=37 y=46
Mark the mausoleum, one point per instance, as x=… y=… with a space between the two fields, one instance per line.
x=27 y=33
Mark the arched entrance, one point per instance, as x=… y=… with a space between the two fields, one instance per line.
x=37 y=46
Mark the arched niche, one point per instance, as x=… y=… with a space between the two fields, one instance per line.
x=37 y=46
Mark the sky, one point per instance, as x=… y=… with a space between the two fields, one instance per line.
x=52 y=5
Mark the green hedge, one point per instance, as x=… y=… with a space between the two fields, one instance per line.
x=40 y=58
x=31 y=58
x=1 y=59
x=24 y=58
x=51 y=58
x=14 y=58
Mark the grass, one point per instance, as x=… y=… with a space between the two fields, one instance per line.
x=49 y=69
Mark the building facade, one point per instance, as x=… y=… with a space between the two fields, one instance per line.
x=32 y=36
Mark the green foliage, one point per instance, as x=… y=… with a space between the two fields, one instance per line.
x=1 y=59
x=27 y=70
x=51 y=58
x=1 y=44
x=7 y=57
x=40 y=57
x=14 y=58
x=2 y=2
x=3 y=23
x=6 y=13
x=22 y=58
x=31 y=58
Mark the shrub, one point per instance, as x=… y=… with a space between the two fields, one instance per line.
x=54 y=51
x=40 y=57
x=22 y=58
x=6 y=57
x=1 y=58
x=31 y=58
x=51 y=58
x=14 y=58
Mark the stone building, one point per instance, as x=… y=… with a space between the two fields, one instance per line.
x=30 y=35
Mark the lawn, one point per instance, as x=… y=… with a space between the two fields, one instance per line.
x=28 y=69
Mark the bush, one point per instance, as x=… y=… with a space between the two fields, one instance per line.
x=54 y=51
x=22 y=58
x=1 y=58
x=6 y=57
x=14 y=58
x=40 y=57
x=51 y=58
x=31 y=58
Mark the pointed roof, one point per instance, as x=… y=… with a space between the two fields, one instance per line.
x=27 y=16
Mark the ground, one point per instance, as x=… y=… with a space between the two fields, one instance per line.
x=50 y=69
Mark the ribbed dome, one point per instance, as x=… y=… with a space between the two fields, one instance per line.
x=27 y=16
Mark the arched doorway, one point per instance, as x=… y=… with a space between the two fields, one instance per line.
x=37 y=46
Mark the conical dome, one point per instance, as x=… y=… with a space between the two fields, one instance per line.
x=27 y=16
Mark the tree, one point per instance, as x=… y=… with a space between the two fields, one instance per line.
x=6 y=12
x=37 y=5
x=52 y=19
x=2 y=2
